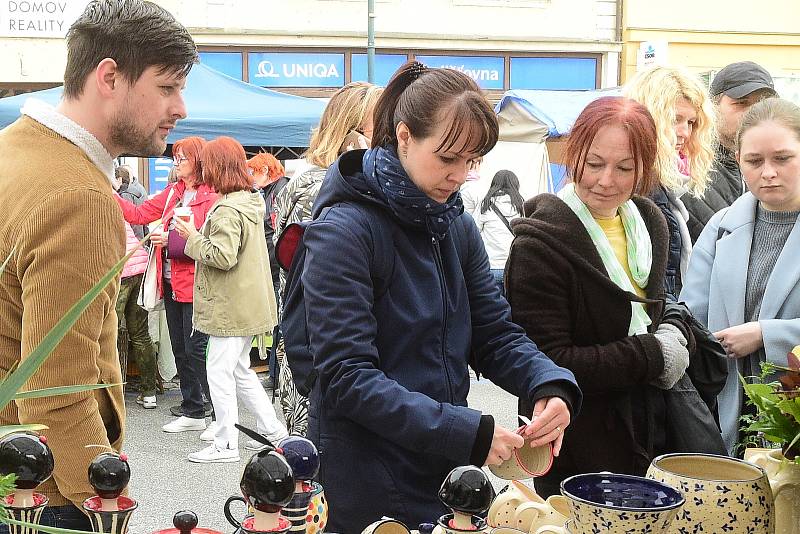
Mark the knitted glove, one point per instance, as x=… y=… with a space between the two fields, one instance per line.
x=676 y=356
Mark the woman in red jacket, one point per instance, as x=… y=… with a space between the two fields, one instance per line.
x=176 y=276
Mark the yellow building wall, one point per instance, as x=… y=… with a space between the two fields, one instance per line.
x=709 y=34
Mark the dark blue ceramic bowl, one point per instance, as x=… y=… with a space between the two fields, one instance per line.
x=622 y=492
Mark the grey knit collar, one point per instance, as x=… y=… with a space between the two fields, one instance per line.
x=48 y=116
x=775 y=217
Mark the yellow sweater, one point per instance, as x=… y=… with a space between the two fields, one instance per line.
x=615 y=232
x=56 y=208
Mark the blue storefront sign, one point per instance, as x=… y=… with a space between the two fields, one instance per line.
x=158 y=172
x=553 y=73
x=488 y=71
x=296 y=69
x=229 y=63
x=385 y=67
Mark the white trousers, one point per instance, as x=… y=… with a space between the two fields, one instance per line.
x=229 y=374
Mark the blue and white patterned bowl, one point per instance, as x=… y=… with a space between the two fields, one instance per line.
x=620 y=504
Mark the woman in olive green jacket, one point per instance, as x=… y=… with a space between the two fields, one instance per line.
x=233 y=298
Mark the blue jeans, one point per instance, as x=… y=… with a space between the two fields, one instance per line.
x=68 y=516
x=498 y=279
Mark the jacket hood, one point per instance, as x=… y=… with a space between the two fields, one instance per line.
x=550 y=221
x=249 y=203
x=346 y=181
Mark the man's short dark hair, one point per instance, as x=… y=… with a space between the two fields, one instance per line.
x=137 y=34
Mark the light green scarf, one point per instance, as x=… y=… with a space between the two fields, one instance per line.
x=640 y=251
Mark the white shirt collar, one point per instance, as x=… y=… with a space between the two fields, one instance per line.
x=48 y=116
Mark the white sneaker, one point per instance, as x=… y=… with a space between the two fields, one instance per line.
x=213 y=454
x=148 y=403
x=253 y=445
x=183 y=423
x=209 y=432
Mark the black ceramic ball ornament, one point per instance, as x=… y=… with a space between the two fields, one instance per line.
x=302 y=456
x=109 y=474
x=28 y=456
x=267 y=483
x=467 y=490
x=185 y=521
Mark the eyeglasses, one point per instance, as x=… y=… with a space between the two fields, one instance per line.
x=178 y=160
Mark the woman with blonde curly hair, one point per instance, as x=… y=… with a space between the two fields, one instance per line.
x=346 y=124
x=684 y=117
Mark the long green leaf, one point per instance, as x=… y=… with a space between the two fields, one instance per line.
x=60 y=390
x=41 y=528
x=29 y=365
x=8 y=429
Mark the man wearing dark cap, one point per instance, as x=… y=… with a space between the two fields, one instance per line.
x=735 y=88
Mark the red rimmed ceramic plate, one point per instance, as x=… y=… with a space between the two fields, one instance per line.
x=526 y=462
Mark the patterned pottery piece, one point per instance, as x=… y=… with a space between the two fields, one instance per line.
x=526 y=462
x=784 y=479
x=568 y=528
x=503 y=509
x=307 y=511
x=620 y=504
x=30 y=514
x=110 y=522
x=723 y=495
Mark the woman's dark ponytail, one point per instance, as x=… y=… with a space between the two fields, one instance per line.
x=383 y=129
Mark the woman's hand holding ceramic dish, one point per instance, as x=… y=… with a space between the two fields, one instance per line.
x=550 y=419
x=504 y=442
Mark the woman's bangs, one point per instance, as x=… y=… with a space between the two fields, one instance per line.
x=470 y=131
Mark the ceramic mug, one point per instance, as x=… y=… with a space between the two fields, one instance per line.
x=386 y=525
x=501 y=512
x=307 y=511
x=530 y=516
x=722 y=494
x=784 y=479
x=620 y=504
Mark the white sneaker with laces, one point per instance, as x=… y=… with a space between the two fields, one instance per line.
x=253 y=445
x=213 y=454
x=209 y=432
x=183 y=424
x=148 y=403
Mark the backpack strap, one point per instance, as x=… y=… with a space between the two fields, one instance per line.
x=499 y=213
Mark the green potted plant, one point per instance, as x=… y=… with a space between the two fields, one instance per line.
x=777 y=422
x=16 y=378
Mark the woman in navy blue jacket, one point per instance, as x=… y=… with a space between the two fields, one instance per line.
x=400 y=300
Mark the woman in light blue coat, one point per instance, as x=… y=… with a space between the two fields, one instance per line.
x=744 y=274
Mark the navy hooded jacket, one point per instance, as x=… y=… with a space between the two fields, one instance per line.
x=389 y=408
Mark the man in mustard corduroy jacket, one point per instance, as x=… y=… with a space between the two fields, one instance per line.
x=127 y=62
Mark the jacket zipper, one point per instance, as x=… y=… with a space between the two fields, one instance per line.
x=437 y=254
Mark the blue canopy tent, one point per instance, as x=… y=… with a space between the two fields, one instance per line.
x=528 y=118
x=221 y=105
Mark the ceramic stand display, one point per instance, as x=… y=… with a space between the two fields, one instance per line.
x=109 y=511
x=267 y=486
x=723 y=494
x=784 y=480
x=308 y=509
x=467 y=491
x=28 y=456
x=185 y=522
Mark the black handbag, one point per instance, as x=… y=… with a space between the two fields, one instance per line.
x=690 y=425
x=708 y=363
